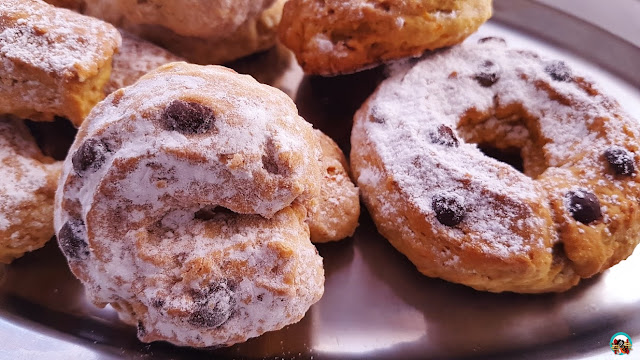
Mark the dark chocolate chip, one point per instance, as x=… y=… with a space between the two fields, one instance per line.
x=142 y=331
x=376 y=116
x=583 y=206
x=492 y=39
x=214 y=306
x=621 y=160
x=89 y=156
x=157 y=303
x=71 y=241
x=488 y=73
x=376 y=119
x=188 y=117
x=558 y=70
x=449 y=209
x=444 y=136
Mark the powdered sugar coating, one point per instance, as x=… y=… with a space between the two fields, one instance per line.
x=26 y=192
x=562 y=127
x=52 y=61
x=165 y=250
x=55 y=40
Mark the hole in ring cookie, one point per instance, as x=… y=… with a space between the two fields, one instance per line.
x=511 y=155
x=512 y=138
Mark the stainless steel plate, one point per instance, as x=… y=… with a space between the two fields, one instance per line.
x=376 y=304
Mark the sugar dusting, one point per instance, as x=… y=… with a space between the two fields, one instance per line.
x=23 y=175
x=57 y=41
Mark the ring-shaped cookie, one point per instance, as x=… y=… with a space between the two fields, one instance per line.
x=465 y=217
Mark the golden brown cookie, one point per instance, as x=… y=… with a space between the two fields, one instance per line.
x=180 y=204
x=52 y=61
x=333 y=215
x=332 y=37
x=456 y=213
x=207 y=33
x=212 y=19
x=256 y=34
x=135 y=58
x=27 y=190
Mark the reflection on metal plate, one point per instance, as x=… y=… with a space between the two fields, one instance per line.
x=376 y=304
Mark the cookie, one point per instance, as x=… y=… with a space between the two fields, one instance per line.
x=203 y=33
x=181 y=204
x=254 y=35
x=135 y=58
x=334 y=213
x=419 y=154
x=336 y=37
x=52 y=61
x=26 y=192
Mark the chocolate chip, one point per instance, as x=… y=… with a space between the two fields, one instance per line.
x=558 y=70
x=213 y=306
x=444 y=136
x=449 y=209
x=492 y=39
x=583 y=206
x=376 y=116
x=621 y=160
x=142 y=331
x=488 y=73
x=376 y=119
x=89 y=156
x=72 y=242
x=188 y=117
x=157 y=303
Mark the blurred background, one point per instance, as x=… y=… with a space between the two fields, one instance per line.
x=609 y=15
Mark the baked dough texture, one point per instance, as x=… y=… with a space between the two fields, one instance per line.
x=26 y=191
x=197 y=18
x=52 y=61
x=181 y=204
x=332 y=37
x=135 y=58
x=468 y=218
x=208 y=32
x=334 y=213
x=257 y=34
